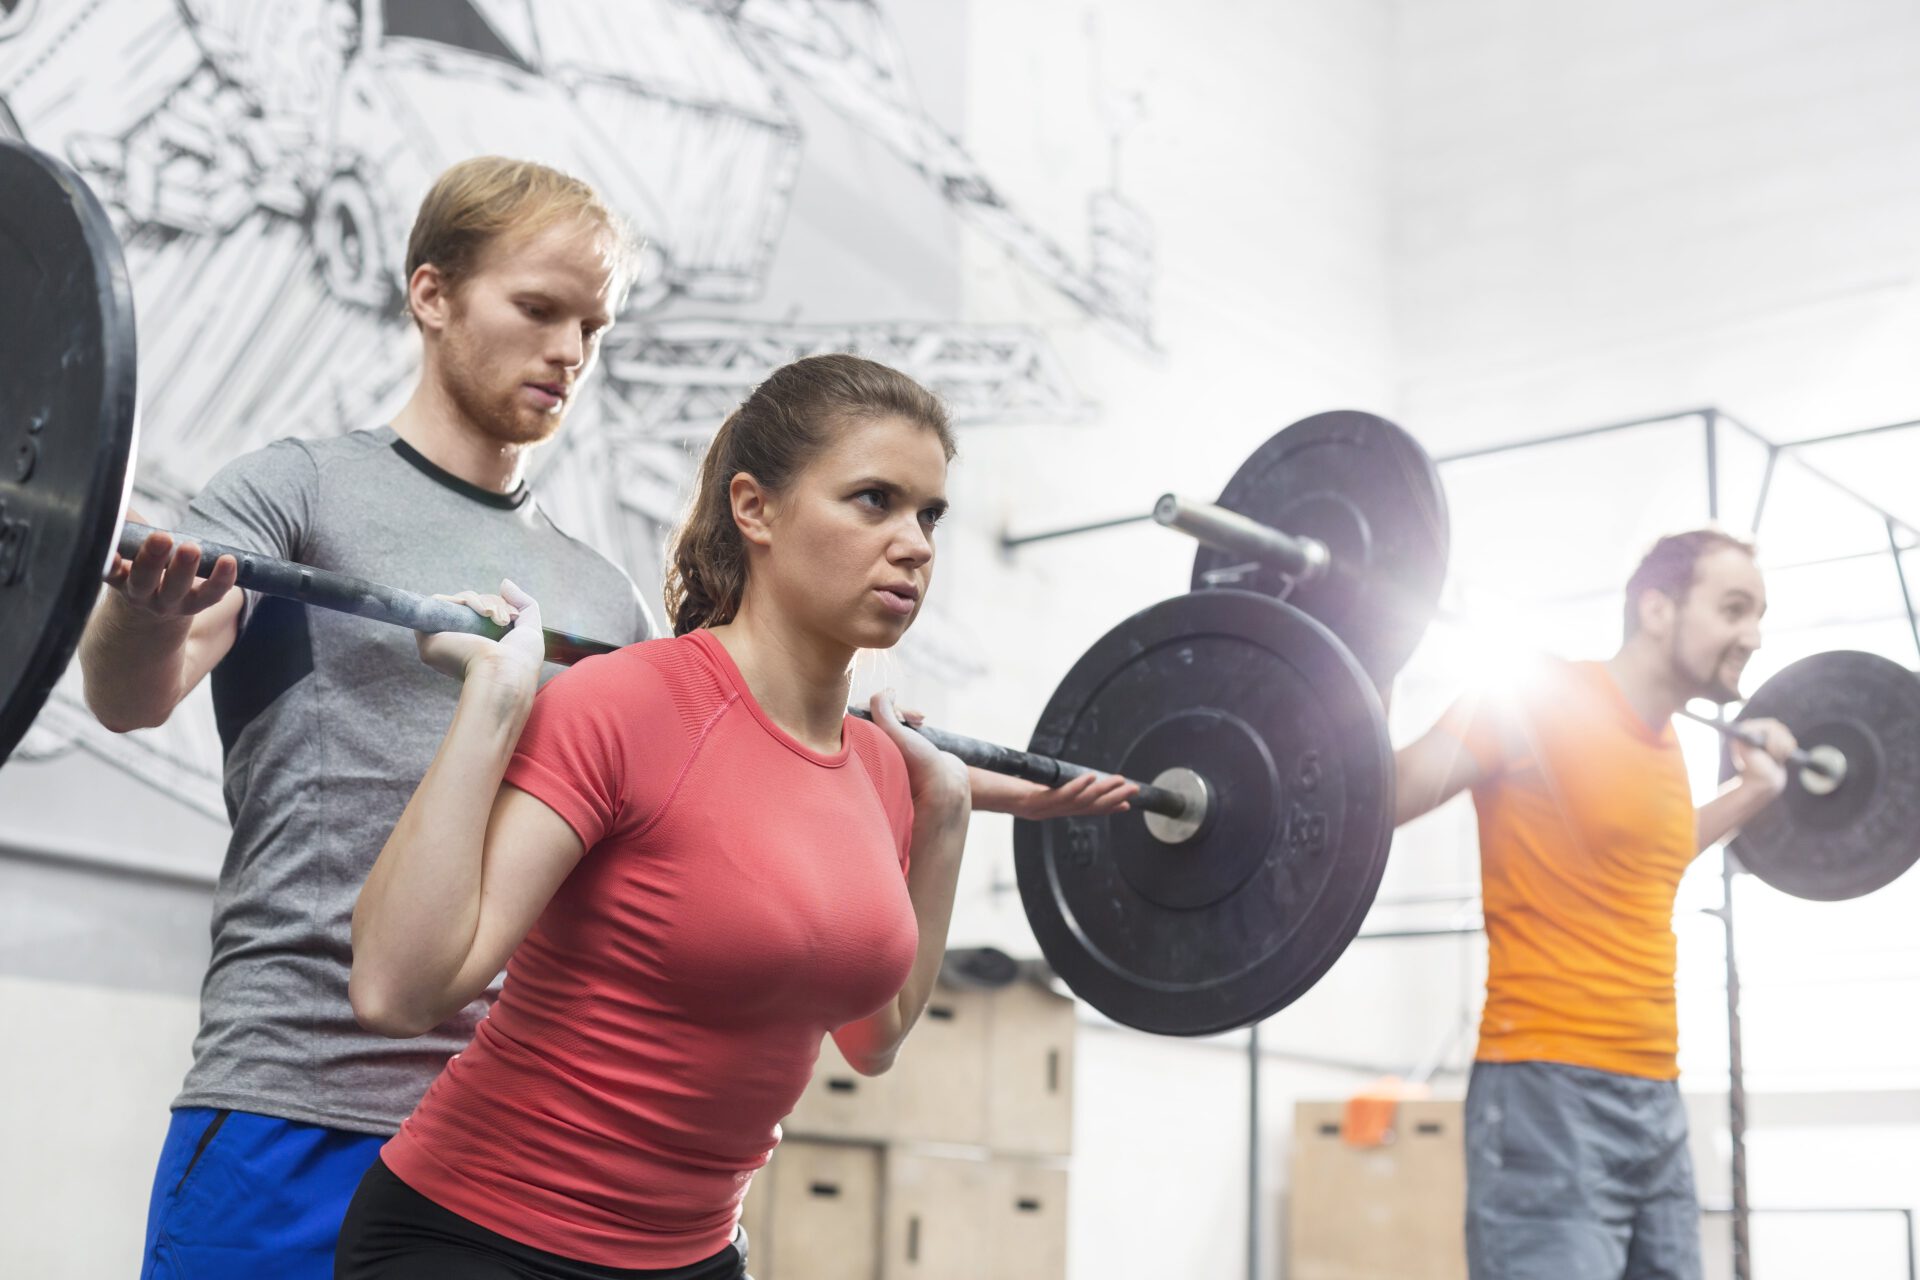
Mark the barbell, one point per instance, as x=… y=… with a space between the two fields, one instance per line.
x=1250 y=717
x=1256 y=736
x=1849 y=822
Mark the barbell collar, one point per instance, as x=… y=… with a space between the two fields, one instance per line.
x=1199 y=805
x=343 y=593
x=1300 y=558
x=1827 y=770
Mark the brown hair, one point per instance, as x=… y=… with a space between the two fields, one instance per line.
x=781 y=427
x=478 y=200
x=1669 y=567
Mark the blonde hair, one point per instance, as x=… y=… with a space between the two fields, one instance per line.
x=478 y=200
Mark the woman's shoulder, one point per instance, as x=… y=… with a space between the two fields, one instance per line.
x=668 y=674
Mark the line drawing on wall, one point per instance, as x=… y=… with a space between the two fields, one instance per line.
x=262 y=160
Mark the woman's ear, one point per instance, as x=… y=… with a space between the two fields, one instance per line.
x=752 y=507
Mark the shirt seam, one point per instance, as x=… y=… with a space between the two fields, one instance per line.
x=699 y=745
x=728 y=674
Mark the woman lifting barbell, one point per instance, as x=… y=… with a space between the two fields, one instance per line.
x=692 y=862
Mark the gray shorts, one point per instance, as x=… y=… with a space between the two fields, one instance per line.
x=1575 y=1174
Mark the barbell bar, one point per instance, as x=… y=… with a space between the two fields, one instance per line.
x=343 y=593
x=1300 y=558
x=1180 y=800
x=1306 y=558
x=1826 y=761
x=1845 y=829
x=1343 y=516
x=1266 y=824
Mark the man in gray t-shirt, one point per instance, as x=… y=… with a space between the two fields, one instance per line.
x=328 y=721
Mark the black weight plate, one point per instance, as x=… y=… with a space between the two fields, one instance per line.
x=1866 y=832
x=1368 y=490
x=66 y=420
x=1234 y=925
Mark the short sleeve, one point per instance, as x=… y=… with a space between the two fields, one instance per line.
x=261 y=502
x=601 y=744
x=1499 y=723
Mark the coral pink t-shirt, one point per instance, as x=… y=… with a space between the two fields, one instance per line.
x=741 y=895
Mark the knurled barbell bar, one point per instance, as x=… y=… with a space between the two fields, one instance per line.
x=1175 y=804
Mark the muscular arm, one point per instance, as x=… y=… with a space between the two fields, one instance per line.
x=1727 y=812
x=1761 y=778
x=1430 y=771
x=157 y=631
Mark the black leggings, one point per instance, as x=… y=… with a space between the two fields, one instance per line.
x=392 y=1232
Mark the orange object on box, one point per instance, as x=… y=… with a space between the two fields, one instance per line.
x=1367 y=1120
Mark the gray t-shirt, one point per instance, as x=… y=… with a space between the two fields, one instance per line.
x=328 y=722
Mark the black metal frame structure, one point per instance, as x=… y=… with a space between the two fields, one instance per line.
x=1902 y=537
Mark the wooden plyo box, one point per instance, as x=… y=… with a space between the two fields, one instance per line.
x=989 y=1069
x=969 y=1219
x=855 y=1211
x=814 y=1213
x=1392 y=1212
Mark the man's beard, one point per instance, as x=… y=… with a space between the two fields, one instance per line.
x=500 y=418
x=1709 y=685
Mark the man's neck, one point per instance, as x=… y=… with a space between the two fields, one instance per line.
x=436 y=428
x=1645 y=679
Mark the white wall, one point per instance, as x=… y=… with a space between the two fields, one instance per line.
x=1604 y=210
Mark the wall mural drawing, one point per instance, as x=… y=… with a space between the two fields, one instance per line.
x=262 y=160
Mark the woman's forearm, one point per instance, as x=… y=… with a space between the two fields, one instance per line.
x=933 y=877
x=414 y=924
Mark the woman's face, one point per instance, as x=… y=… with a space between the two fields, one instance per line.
x=848 y=550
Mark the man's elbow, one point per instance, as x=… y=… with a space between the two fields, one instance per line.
x=123 y=719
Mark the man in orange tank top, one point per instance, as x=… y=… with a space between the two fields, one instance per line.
x=1577 y=1162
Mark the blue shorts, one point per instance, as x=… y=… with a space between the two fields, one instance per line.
x=1576 y=1174
x=240 y=1196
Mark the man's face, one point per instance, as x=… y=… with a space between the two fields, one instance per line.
x=1716 y=628
x=521 y=332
